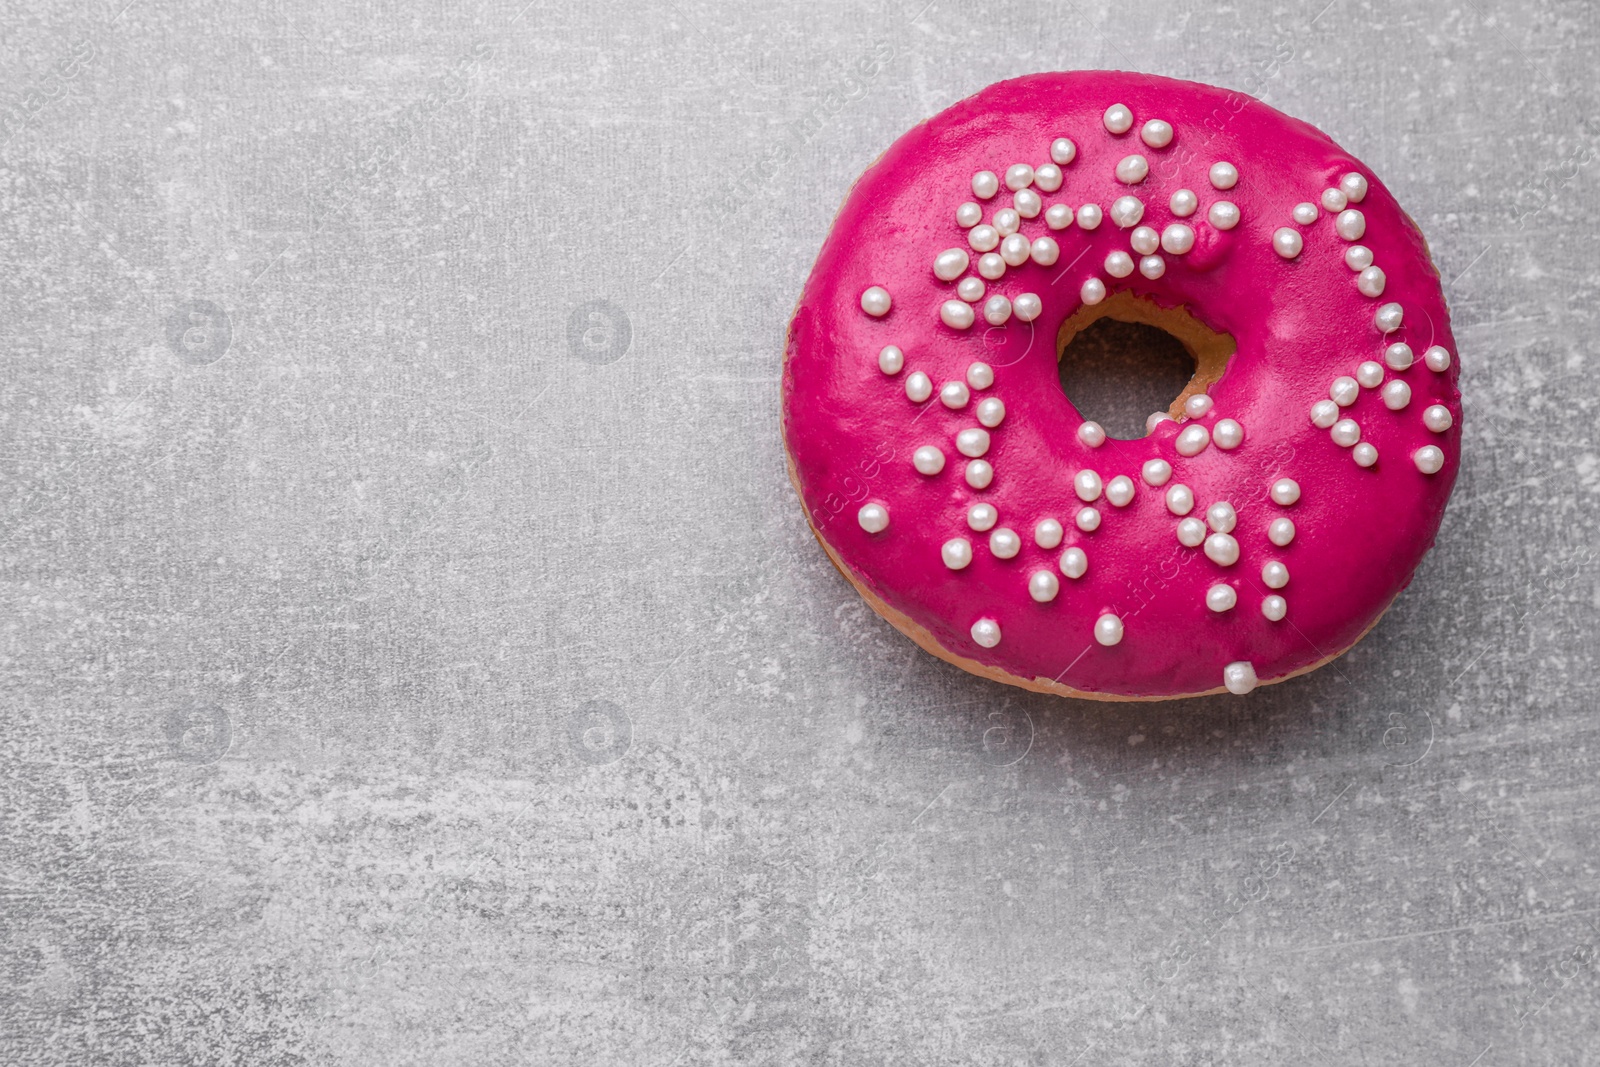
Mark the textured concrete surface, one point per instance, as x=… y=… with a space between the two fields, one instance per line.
x=413 y=652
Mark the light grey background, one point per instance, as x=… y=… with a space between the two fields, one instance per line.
x=410 y=661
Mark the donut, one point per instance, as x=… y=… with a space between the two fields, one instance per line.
x=1263 y=523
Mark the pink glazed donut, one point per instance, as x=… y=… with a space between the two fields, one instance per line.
x=1264 y=522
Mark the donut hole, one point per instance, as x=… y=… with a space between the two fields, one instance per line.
x=1126 y=357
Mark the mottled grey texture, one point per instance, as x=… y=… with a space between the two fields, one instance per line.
x=414 y=653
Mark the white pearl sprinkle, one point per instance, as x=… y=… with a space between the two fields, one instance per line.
x=1015 y=250
x=991 y=266
x=979 y=474
x=1093 y=291
x=1399 y=356
x=1389 y=317
x=875 y=301
x=983 y=238
x=956 y=553
x=982 y=517
x=950 y=264
x=918 y=387
x=1396 y=395
x=891 y=360
x=1177 y=238
x=1156 y=472
x=972 y=442
x=1350 y=224
x=1371 y=281
x=1224 y=215
x=1227 y=435
x=980 y=375
x=1224 y=175
x=1027 y=306
x=1364 y=454
x=1286 y=242
x=1280 y=532
x=957 y=314
x=1089 y=216
x=1274 y=608
x=1358 y=258
x=1192 y=440
x=1132 y=170
x=997 y=311
x=1047 y=534
x=954 y=395
x=970 y=289
x=1092 y=434
x=985 y=184
x=1221 y=517
x=1063 y=151
x=1344 y=390
x=1126 y=211
x=1345 y=433
x=991 y=411
x=986 y=632
x=1437 y=358
x=1197 y=405
x=1108 y=630
x=1438 y=418
x=1239 y=678
x=1073 y=563
x=1154 y=419
x=1118 y=119
x=1274 y=575
x=928 y=460
x=1088 y=519
x=1045 y=251
x=1005 y=543
x=1285 y=492
x=1324 y=413
x=874 y=518
x=1191 y=532
x=1088 y=486
x=1180 y=499
x=1184 y=203
x=1370 y=374
x=1354 y=187
x=1429 y=460
x=1305 y=213
x=1222 y=549
x=1152 y=267
x=1007 y=222
x=968 y=215
x=1144 y=240
x=1119 y=264
x=1043 y=586
x=1156 y=133
x=1334 y=200
x=1221 y=597
x=1058 y=216
x=1119 y=491
x=1048 y=177
x=1019 y=176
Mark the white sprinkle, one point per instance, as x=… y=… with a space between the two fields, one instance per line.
x=972 y=442
x=1018 y=176
x=918 y=387
x=1437 y=358
x=1222 y=549
x=875 y=301
x=1058 y=216
x=982 y=517
x=1015 y=249
x=1045 y=251
x=1358 y=257
x=980 y=375
x=1152 y=267
x=997 y=310
x=1004 y=543
x=891 y=359
x=1027 y=307
x=1048 y=177
x=1184 y=203
x=983 y=238
x=1118 y=119
x=1274 y=575
x=1131 y=170
x=1007 y=221
x=1221 y=597
x=1224 y=215
x=1364 y=454
x=1399 y=356
x=1119 y=491
x=991 y=411
x=1088 y=519
x=991 y=266
x=1063 y=151
x=1287 y=242
x=1396 y=395
x=957 y=314
x=1227 y=435
x=874 y=518
x=1092 y=434
x=1127 y=211
x=1388 y=318
x=1371 y=281
x=1093 y=291
x=928 y=460
x=971 y=290
x=1345 y=433
x=1354 y=187
x=1344 y=390
x=1197 y=405
x=1047 y=534
x=986 y=632
x=1438 y=418
x=1192 y=440
x=1154 y=419
x=1370 y=374
x=956 y=553
x=1087 y=485
x=1324 y=413
x=968 y=215
x=1191 y=532
x=1177 y=238
x=1305 y=213
x=1156 y=133
x=1274 y=608
x=1224 y=175
x=1429 y=460
x=954 y=395
x=1073 y=563
x=1027 y=204
x=1334 y=200
x=1180 y=499
x=1350 y=224
x=1221 y=517
x=1285 y=492
x=1280 y=531
x=1043 y=586
x=1144 y=240
x=1108 y=630
x=1239 y=677
x=985 y=184
x=950 y=264
x=979 y=474
x=1156 y=472
x=1089 y=216
x=1119 y=264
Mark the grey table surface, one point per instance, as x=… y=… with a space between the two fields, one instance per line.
x=414 y=652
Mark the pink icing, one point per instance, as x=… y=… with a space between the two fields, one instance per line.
x=1298 y=324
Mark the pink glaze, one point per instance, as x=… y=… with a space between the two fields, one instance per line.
x=1299 y=324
